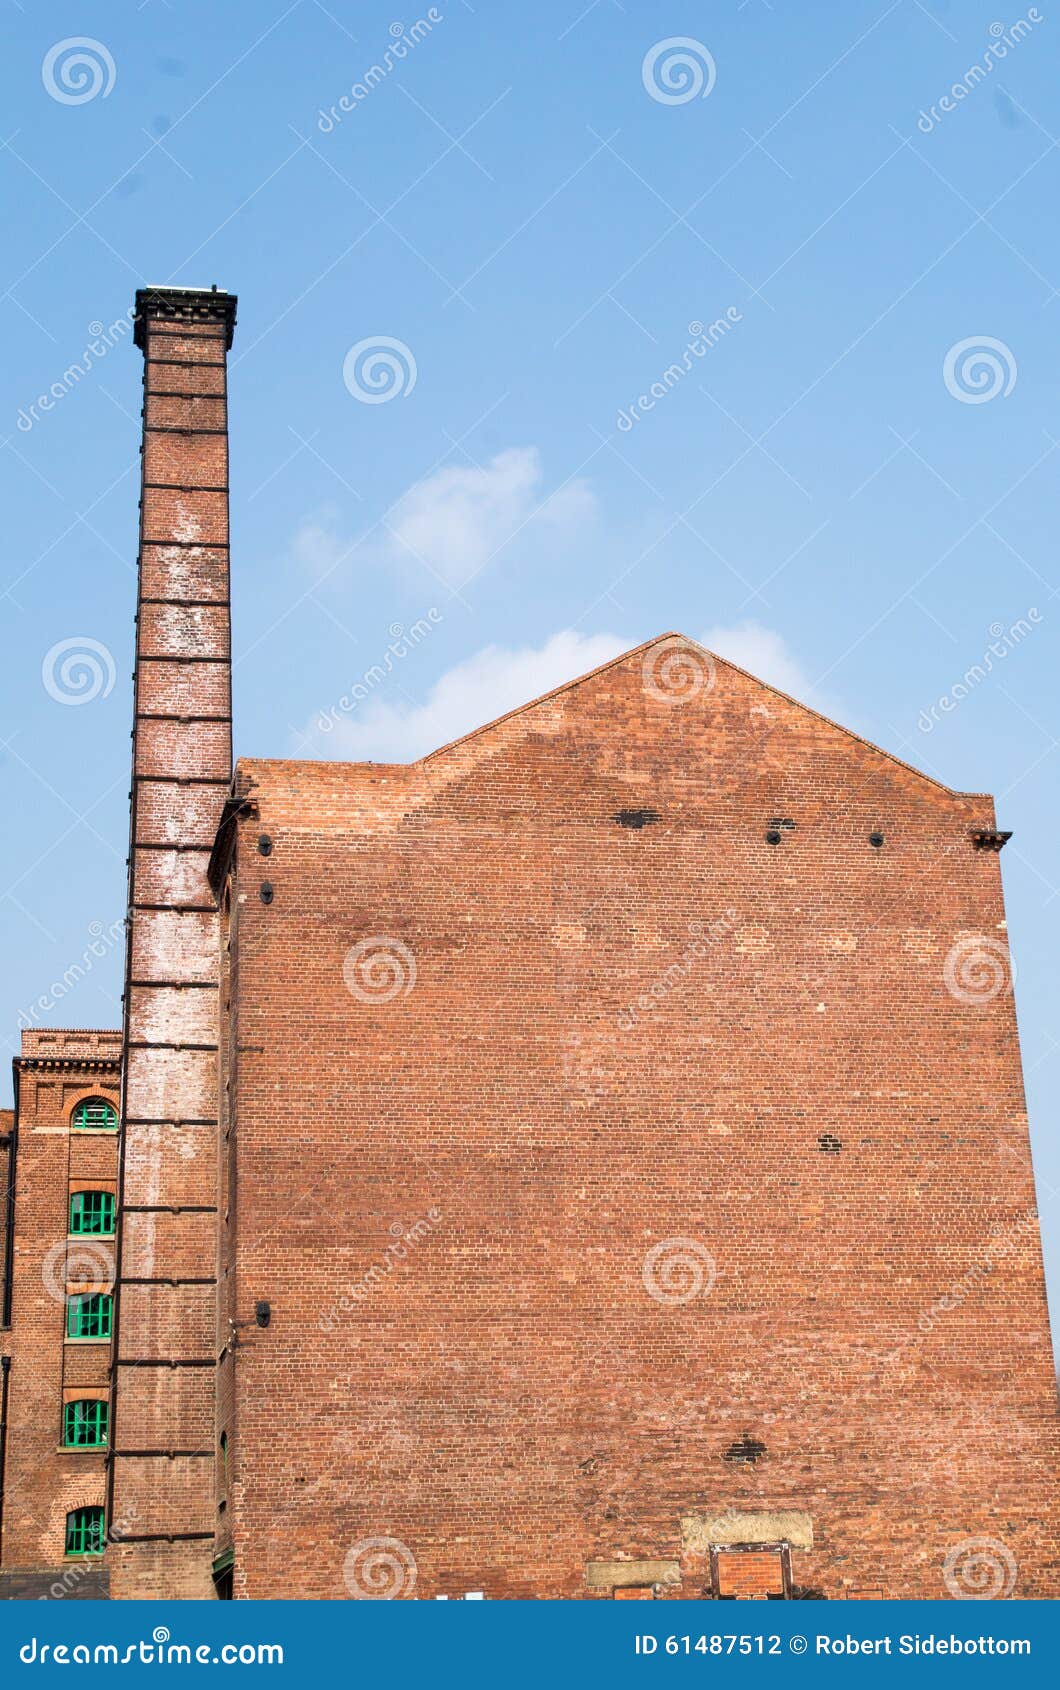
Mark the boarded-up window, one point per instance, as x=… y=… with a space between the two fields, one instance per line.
x=751 y=1574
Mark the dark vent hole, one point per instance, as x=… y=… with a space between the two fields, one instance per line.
x=745 y=1452
x=636 y=818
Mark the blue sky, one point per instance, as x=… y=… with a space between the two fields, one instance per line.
x=841 y=492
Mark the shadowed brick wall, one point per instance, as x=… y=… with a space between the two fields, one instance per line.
x=622 y=1183
x=162 y=1515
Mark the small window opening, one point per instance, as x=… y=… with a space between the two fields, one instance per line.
x=86 y=1424
x=224 y=1575
x=84 y=1532
x=92 y=1212
x=94 y=1115
x=89 y=1315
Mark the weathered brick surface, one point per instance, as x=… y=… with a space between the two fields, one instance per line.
x=187 y=571
x=622 y=1040
x=178 y=1411
x=181 y=768
x=162 y=872
x=175 y=1165
x=171 y=946
x=44 y=1481
x=169 y=814
x=169 y=749
x=183 y=1242
x=165 y=1013
x=81 y=1581
x=173 y=1085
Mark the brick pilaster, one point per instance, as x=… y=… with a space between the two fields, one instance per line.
x=162 y=1492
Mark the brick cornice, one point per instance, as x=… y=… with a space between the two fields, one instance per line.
x=111 y=1063
x=184 y=305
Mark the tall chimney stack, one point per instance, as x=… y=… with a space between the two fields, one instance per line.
x=162 y=1491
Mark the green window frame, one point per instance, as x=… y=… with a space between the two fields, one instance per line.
x=85 y=1534
x=86 y=1423
x=94 y=1115
x=89 y=1314
x=92 y=1212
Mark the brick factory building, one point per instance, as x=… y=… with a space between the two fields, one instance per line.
x=590 y=1161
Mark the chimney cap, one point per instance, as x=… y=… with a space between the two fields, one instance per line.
x=189 y=305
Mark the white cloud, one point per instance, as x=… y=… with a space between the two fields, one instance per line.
x=763 y=653
x=316 y=546
x=494 y=681
x=457 y=519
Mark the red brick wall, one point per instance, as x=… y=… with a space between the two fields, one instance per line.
x=164 y=1487
x=607 y=1280
x=44 y=1481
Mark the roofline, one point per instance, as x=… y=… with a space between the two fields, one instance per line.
x=715 y=658
x=601 y=669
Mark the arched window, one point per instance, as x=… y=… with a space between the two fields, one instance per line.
x=92 y=1211
x=85 y=1424
x=94 y=1115
x=84 y=1532
x=89 y=1315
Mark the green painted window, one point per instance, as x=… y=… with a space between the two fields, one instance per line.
x=92 y=1211
x=85 y=1424
x=89 y=1315
x=84 y=1532
x=94 y=1114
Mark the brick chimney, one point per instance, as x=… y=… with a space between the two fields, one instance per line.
x=161 y=1513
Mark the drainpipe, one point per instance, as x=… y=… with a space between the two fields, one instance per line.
x=11 y=1140
x=5 y=1369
